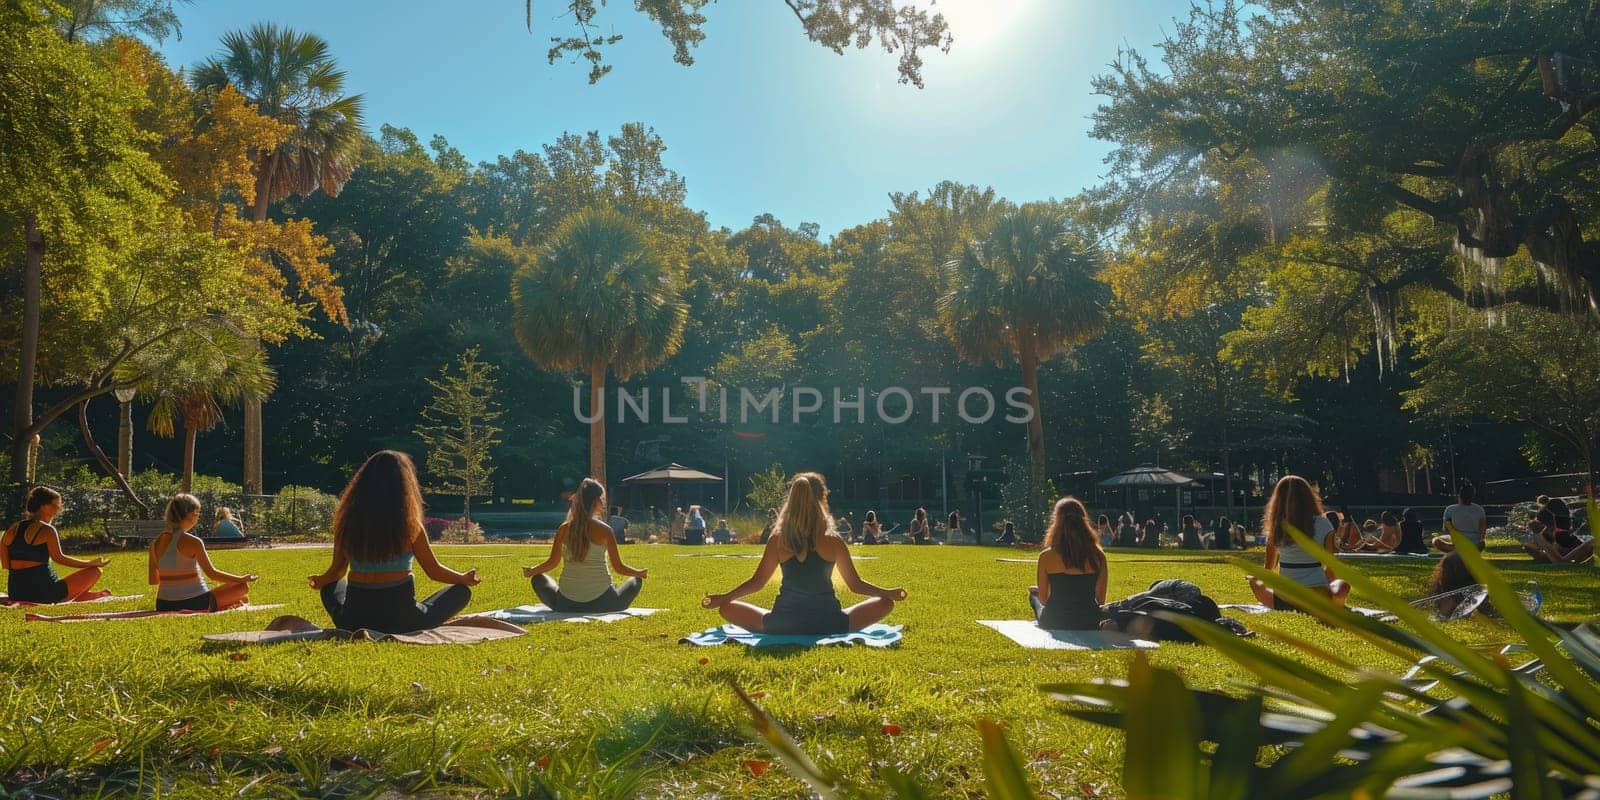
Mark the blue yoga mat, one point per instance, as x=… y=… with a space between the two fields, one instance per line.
x=875 y=635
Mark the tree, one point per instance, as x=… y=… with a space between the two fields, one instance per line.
x=459 y=430
x=290 y=77
x=1531 y=367
x=205 y=373
x=71 y=175
x=767 y=489
x=834 y=24
x=84 y=19
x=1027 y=291
x=595 y=299
x=1474 y=119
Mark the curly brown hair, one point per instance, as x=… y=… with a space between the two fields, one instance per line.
x=380 y=510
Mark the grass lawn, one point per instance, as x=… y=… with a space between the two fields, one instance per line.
x=139 y=706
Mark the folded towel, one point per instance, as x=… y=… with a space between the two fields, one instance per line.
x=875 y=635
x=1027 y=633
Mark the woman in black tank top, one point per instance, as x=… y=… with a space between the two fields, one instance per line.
x=27 y=549
x=807 y=551
x=1072 y=572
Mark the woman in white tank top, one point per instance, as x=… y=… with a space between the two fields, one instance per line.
x=586 y=545
x=1295 y=503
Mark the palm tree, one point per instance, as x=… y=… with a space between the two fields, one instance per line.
x=596 y=298
x=214 y=371
x=1027 y=290
x=291 y=78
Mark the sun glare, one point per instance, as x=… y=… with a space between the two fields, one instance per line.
x=977 y=24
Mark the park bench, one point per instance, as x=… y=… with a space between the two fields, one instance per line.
x=130 y=532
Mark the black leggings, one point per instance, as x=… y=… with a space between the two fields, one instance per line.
x=391 y=609
x=614 y=598
x=201 y=602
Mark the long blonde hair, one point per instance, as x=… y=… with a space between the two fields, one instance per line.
x=178 y=509
x=1295 y=503
x=588 y=495
x=804 y=515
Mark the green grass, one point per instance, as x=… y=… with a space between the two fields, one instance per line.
x=141 y=707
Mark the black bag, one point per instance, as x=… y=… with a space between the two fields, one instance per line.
x=1172 y=597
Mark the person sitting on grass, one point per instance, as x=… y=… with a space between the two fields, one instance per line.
x=1008 y=533
x=1413 y=538
x=1072 y=572
x=807 y=551
x=177 y=559
x=1550 y=543
x=1465 y=517
x=723 y=534
x=1449 y=575
x=227 y=526
x=1190 y=537
x=1295 y=503
x=377 y=532
x=918 y=532
x=586 y=545
x=1223 y=539
x=28 y=547
x=871 y=530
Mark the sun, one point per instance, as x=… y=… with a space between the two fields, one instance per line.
x=976 y=24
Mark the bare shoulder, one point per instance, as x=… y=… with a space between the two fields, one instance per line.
x=832 y=546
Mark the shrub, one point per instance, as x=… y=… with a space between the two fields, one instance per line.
x=462 y=531
x=1026 y=498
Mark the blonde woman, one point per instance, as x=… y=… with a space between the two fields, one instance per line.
x=227 y=526
x=586 y=544
x=807 y=551
x=178 y=559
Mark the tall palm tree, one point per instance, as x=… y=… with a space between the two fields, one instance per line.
x=1027 y=291
x=214 y=371
x=597 y=298
x=291 y=78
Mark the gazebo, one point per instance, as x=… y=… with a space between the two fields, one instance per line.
x=662 y=479
x=1147 y=478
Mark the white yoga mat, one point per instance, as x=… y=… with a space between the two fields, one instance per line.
x=1027 y=633
x=530 y=615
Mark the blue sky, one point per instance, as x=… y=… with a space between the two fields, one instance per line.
x=765 y=121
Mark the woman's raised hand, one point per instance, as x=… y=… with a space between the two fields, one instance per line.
x=713 y=600
x=470 y=577
x=528 y=572
x=896 y=594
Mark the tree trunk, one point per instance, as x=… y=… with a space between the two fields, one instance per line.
x=190 y=434
x=253 y=461
x=597 y=429
x=105 y=462
x=1028 y=355
x=466 y=507
x=27 y=357
x=125 y=438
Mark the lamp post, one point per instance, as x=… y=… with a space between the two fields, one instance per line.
x=124 y=429
x=976 y=479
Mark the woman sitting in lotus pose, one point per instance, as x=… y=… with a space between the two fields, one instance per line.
x=1294 y=503
x=1072 y=572
x=587 y=544
x=805 y=548
x=28 y=547
x=177 y=559
x=377 y=531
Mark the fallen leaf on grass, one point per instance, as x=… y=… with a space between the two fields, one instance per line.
x=542 y=762
x=101 y=745
x=891 y=729
x=272 y=750
x=756 y=767
x=178 y=730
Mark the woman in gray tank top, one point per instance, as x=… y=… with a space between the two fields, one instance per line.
x=1295 y=503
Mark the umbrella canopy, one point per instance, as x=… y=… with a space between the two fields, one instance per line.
x=671 y=473
x=1143 y=477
